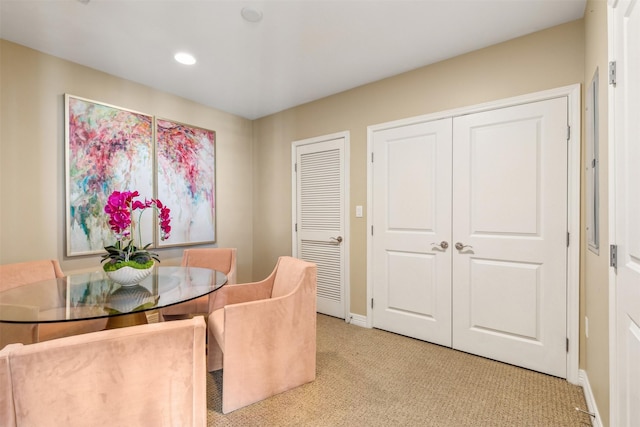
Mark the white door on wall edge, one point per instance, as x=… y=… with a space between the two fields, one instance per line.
x=320 y=216
x=625 y=408
x=510 y=235
x=412 y=231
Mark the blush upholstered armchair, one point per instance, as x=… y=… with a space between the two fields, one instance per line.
x=147 y=375
x=263 y=334
x=13 y=275
x=219 y=259
x=7 y=413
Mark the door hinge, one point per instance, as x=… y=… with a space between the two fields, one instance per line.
x=371 y=303
x=612 y=73
x=568 y=132
x=372 y=230
x=568 y=238
x=372 y=157
x=296 y=227
x=567 y=345
x=613 y=256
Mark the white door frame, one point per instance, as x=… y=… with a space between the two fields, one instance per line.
x=345 y=135
x=573 y=94
x=616 y=138
x=613 y=313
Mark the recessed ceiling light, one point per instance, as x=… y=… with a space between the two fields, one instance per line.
x=250 y=14
x=184 y=58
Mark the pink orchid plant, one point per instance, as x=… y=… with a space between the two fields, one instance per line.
x=120 y=207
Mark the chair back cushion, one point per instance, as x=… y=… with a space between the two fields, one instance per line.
x=289 y=273
x=147 y=375
x=220 y=259
x=12 y=275
x=26 y=333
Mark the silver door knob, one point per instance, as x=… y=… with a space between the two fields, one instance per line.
x=460 y=246
x=337 y=239
x=443 y=244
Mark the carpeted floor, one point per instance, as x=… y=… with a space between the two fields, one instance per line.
x=369 y=377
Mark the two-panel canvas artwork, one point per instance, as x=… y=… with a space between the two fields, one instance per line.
x=110 y=148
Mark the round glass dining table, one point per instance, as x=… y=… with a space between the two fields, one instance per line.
x=93 y=295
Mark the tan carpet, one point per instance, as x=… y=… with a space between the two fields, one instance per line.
x=369 y=377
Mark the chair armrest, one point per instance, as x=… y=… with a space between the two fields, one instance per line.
x=252 y=304
x=260 y=318
x=270 y=344
x=243 y=292
x=231 y=278
x=276 y=323
x=240 y=293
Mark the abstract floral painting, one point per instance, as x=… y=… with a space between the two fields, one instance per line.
x=107 y=148
x=186 y=180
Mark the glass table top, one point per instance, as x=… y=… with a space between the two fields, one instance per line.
x=93 y=295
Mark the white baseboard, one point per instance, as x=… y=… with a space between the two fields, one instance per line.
x=583 y=381
x=357 y=319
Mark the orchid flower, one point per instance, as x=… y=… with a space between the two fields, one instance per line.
x=119 y=208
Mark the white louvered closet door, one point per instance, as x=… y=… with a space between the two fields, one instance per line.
x=320 y=217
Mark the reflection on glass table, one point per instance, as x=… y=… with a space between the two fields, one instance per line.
x=93 y=295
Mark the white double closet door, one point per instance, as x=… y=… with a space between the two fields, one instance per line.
x=470 y=233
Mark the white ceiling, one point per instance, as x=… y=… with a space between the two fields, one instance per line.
x=301 y=50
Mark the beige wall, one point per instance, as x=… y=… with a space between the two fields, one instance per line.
x=544 y=60
x=32 y=194
x=594 y=352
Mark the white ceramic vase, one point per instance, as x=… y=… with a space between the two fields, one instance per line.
x=129 y=276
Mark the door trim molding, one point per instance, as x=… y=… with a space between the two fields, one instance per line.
x=347 y=219
x=573 y=94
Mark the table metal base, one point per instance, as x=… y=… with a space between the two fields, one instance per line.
x=127 y=320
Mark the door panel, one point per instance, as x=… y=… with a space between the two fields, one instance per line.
x=320 y=215
x=630 y=392
x=412 y=205
x=626 y=384
x=510 y=213
x=326 y=255
x=504 y=177
x=517 y=284
x=404 y=296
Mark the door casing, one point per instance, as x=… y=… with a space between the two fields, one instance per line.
x=572 y=92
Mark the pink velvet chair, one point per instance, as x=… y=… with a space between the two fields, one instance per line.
x=220 y=259
x=147 y=375
x=7 y=413
x=13 y=275
x=263 y=334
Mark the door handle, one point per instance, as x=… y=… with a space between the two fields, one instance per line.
x=337 y=239
x=444 y=244
x=460 y=246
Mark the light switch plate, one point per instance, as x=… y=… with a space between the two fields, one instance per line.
x=358 y=211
